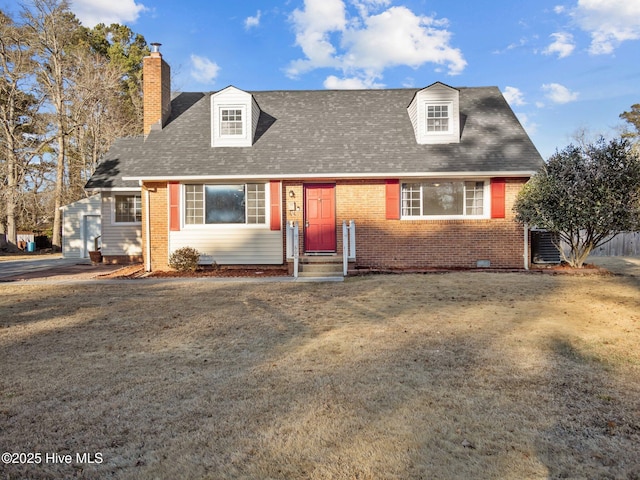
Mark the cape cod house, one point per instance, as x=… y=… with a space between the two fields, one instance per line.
x=423 y=177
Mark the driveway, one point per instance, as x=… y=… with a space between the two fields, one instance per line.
x=629 y=266
x=51 y=268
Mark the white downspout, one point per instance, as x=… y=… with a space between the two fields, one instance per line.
x=147 y=226
x=526 y=247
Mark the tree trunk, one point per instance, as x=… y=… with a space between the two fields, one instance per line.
x=58 y=192
x=12 y=190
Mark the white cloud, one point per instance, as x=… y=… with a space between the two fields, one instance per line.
x=92 y=12
x=203 y=70
x=559 y=93
x=313 y=27
x=353 y=83
x=514 y=96
x=563 y=45
x=365 y=7
x=399 y=37
x=609 y=22
x=364 y=45
x=251 y=22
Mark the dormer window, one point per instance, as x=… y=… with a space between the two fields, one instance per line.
x=435 y=115
x=234 y=118
x=439 y=118
x=231 y=122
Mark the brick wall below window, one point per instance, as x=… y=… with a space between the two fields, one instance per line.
x=383 y=243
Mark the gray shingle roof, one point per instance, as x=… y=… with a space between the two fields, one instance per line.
x=115 y=165
x=326 y=133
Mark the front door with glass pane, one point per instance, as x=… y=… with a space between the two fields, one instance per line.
x=320 y=218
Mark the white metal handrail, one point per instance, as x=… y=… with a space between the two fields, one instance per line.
x=293 y=245
x=348 y=244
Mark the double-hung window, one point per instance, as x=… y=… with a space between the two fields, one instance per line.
x=128 y=209
x=444 y=198
x=231 y=122
x=439 y=118
x=225 y=204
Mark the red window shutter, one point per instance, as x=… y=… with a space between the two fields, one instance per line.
x=274 y=195
x=498 y=197
x=393 y=199
x=174 y=206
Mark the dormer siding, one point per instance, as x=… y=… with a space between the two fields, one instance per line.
x=234 y=118
x=435 y=115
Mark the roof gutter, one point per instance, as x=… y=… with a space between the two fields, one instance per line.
x=182 y=178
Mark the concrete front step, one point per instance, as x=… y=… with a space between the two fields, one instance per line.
x=320 y=266
x=320 y=274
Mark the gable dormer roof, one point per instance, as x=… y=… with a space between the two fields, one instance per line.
x=435 y=114
x=234 y=118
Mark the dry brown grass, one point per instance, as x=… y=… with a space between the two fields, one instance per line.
x=460 y=375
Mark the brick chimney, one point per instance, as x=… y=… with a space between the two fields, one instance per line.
x=156 y=90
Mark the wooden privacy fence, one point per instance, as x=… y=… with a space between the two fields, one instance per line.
x=623 y=245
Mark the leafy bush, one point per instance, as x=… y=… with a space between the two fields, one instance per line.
x=585 y=195
x=184 y=259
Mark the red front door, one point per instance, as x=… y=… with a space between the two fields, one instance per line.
x=320 y=218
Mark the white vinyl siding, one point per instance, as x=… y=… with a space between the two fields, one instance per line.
x=119 y=238
x=73 y=224
x=255 y=116
x=234 y=118
x=435 y=115
x=251 y=242
x=231 y=244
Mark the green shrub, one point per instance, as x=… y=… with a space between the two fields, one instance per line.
x=184 y=259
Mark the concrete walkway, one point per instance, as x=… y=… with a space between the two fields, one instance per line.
x=51 y=268
x=57 y=270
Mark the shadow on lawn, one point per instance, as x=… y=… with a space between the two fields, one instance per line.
x=368 y=379
x=596 y=417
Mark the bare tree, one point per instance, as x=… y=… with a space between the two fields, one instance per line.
x=97 y=114
x=53 y=31
x=66 y=93
x=18 y=118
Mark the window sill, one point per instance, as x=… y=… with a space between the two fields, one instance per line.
x=448 y=218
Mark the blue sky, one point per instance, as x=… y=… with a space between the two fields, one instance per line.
x=564 y=65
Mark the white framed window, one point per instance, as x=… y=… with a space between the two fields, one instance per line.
x=439 y=117
x=225 y=204
x=128 y=209
x=441 y=199
x=231 y=122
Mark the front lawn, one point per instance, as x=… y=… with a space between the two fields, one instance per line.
x=440 y=376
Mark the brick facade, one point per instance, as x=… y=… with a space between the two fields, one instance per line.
x=122 y=259
x=158 y=224
x=419 y=243
x=380 y=243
